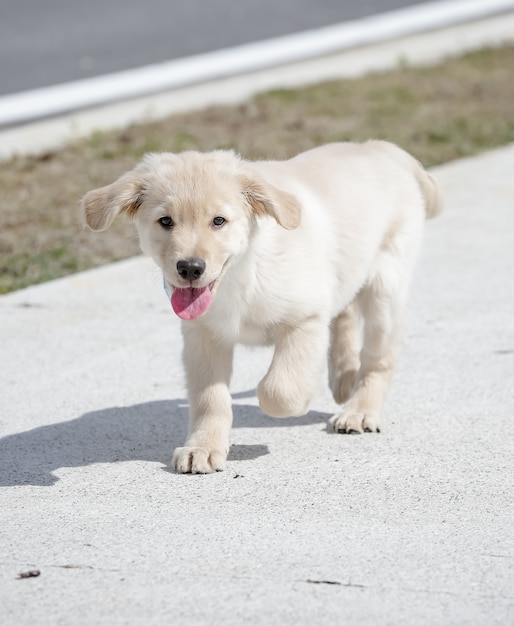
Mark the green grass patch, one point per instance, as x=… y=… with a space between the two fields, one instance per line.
x=452 y=110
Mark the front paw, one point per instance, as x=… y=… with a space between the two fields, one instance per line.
x=196 y=460
x=354 y=423
x=278 y=402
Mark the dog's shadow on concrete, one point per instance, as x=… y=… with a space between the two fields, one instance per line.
x=143 y=432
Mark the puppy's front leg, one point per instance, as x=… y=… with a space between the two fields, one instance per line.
x=294 y=375
x=208 y=369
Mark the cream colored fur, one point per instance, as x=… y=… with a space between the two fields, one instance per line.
x=315 y=258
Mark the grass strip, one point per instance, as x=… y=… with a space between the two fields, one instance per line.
x=458 y=108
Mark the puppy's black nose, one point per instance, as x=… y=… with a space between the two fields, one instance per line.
x=190 y=269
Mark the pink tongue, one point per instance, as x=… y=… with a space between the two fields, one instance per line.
x=190 y=303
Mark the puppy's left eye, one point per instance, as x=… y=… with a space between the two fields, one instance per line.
x=218 y=221
x=166 y=222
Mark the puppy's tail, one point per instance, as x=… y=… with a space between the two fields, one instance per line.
x=428 y=186
x=429 y=189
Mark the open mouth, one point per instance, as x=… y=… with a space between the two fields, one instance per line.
x=191 y=302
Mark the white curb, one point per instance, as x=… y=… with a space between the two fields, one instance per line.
x=233 y=75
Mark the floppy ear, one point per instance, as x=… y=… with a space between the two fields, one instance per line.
x=102 y=205
x=265 y=199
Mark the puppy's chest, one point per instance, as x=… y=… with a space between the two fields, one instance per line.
x=239 y=326
x=239 y=319
x=253 y=334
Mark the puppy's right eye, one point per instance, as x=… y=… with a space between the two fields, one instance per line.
x=166 y=222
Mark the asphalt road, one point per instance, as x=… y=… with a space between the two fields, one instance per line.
x=56 y=41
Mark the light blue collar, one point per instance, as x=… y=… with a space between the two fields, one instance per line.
x=166 y=287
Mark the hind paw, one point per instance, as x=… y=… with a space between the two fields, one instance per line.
x=353 y=423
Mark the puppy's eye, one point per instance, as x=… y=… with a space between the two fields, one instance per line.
x=166 y=222
x=218 y=221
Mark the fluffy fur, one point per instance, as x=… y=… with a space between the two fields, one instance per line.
x=314 y=256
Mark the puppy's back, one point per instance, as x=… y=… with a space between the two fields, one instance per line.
x=429 y=188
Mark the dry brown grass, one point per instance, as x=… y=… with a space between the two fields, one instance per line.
x=439 y=113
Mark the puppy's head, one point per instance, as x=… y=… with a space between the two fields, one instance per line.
x=194 y=214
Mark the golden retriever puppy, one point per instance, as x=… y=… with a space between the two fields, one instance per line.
x=312 y=255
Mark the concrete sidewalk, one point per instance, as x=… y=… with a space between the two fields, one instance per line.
x=412 y=526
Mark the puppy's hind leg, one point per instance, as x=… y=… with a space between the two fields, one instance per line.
x=344 y=353
x=382 y=302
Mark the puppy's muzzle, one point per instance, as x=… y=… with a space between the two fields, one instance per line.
x=190 y=269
